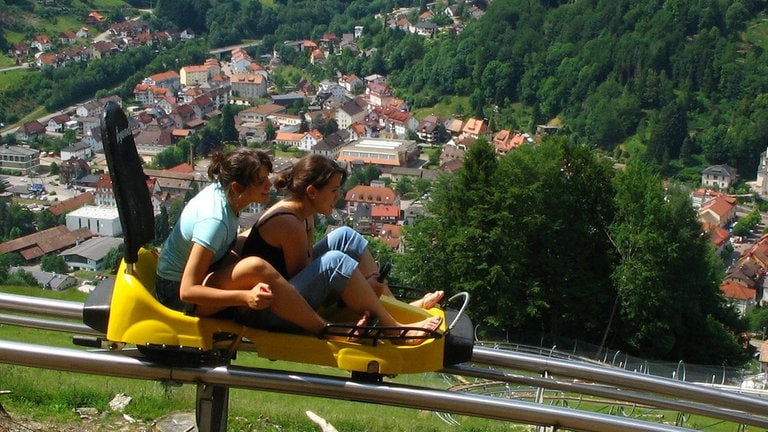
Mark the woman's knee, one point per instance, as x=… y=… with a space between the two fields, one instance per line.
x=257 y=266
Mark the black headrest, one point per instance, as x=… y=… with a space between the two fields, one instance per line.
x=129 y=182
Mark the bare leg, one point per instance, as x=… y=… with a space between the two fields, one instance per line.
x=368 y=266
x=287 y=303
x=359 y=297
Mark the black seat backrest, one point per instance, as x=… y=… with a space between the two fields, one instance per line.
x=129 y=182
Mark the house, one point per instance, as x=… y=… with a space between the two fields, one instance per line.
x=95 y=18
x=331 y=145
x=351 y=83
x=72 y=169
x=391 y=235
x=506 y=140
x=102 y=49
x=247 y=86
x=152 y=142
x=167 y=79
x=718 y=211
x=259 y=113
x=374 y=195
x=57 y=122
x=53 y=281
x=195 y=75
x=395 y=121
x=18 y=158
x=317 y=57
x=173 y=182
x=739 y=296
x=203 y=106
x=89 y=254
x=42 y=43
x=92 y=137
x=302 y=140
x=475 y=128
x=74 y=54
x=30 y=131
x=103 y=221
x=183 y=115
x=383 y=214
x=719 y=177
x=384 y=153
x=349 y=113
x=83 y=32
x=378 y=93
x=398 y=173
x=35 y=245
x=428 y=129
x=78 y=150
x=48 y=60
x=147 y=94
x=94 y=108
x=719 y=237
x=240 y=59
x=423 y=28
x=68 y=37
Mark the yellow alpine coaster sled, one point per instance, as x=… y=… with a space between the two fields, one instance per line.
x=127 y=312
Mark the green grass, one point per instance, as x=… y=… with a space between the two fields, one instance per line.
x=446 y=108
x=11 y=77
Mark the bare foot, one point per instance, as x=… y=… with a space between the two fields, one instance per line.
x=345 y=332
x=414 y=336
x=429 y=300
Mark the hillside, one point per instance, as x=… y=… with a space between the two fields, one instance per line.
x=678 y=84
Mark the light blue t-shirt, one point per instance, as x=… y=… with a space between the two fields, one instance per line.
x=207 y=220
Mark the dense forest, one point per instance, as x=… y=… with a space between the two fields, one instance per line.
x=548 y=239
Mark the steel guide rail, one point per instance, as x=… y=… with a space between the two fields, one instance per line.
x=112 y=364
x=686 y=397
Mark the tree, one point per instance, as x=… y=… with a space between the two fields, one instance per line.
x=112 y=258
x=228 y=131
x=45 y=220
x=668 y=277
x=270 y=131
x=162 y=226
x=21 y=277
x=8 y=260
x=53 y=168
x=667 y=133
x=54 y=264
x=15 y=221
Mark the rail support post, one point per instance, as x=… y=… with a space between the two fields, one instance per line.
x=212 y=408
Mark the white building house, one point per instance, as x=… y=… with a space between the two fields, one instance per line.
x=90 y=254
x=719 y=177
x=103 y=221
x=78 y=150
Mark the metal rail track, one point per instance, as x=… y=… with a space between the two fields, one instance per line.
x=583 y=378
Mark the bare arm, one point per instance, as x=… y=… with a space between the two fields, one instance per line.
x=289 y=234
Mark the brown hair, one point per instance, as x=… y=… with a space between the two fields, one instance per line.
x=240 y=165
x=314 y=170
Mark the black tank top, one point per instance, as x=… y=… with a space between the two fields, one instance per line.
x=255 y=245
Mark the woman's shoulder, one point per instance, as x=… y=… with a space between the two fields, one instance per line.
x=279 y=216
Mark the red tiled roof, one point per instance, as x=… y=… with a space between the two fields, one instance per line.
x=736 y=291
